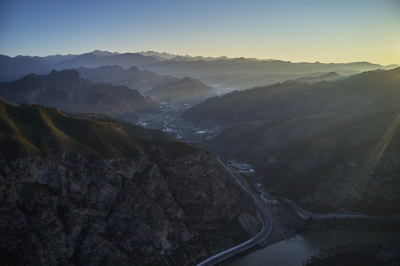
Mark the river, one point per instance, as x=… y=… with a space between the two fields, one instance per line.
x=294 y=251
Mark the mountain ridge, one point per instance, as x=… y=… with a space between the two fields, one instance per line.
x=68 y=91
x=134 y=78
x=85 y=192
x=185 y=90
x=238 y=73
x=330 y=146
x=289 y=100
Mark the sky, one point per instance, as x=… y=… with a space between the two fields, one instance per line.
x=293 y=30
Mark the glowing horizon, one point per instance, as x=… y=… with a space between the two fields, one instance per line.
x=297 y=31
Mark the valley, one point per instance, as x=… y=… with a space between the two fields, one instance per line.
x=319 y=152
x=233 y=133
x=276 y=229
x=170 y=120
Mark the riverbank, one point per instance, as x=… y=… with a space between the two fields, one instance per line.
x=303 y=246
x=365 y=255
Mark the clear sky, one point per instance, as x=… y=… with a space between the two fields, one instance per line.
x=295 y=30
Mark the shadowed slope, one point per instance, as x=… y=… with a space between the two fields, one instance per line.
x=86 y=192
x=67 y=91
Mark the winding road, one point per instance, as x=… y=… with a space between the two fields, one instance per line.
x=303 y=214
x=263 y=200
x=259 y=238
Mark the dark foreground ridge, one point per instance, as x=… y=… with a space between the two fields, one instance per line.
x=83 y=192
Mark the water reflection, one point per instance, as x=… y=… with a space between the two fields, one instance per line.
x=295 y=250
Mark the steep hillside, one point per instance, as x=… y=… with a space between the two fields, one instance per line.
x=330 y=146
x=84 y=192
x=325 y=163
x=67 y=91
x=141 y=80
x=359 y=95
x=186 y=90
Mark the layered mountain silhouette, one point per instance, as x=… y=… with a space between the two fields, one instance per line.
x=328 y=145
x=223 y=73
x=141 y=80
x=242 y=73
x=356 y=96
x=68 y=91
x=98 y=58
x=186 y=90
x=13 y=68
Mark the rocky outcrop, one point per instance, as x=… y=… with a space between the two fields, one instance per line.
x=70 y=210
x=367 y=187
x=85 y=192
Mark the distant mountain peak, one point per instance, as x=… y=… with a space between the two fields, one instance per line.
x=103 y=53
x=68 y=74
x=163 y=55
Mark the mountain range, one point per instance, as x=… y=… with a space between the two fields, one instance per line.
x=13 y=68
x=243 y=73
x=81 y=185
x=223 y=73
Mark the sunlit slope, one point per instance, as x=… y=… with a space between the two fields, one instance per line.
x=97 y=188
x=34 y=131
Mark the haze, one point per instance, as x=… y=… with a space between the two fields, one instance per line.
x=152 y=132
x=325 y=31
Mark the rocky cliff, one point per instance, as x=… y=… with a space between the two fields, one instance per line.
x=168 y=204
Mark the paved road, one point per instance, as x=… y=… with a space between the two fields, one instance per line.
x=303 y=214
x=257 y=239
x=262 y=201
